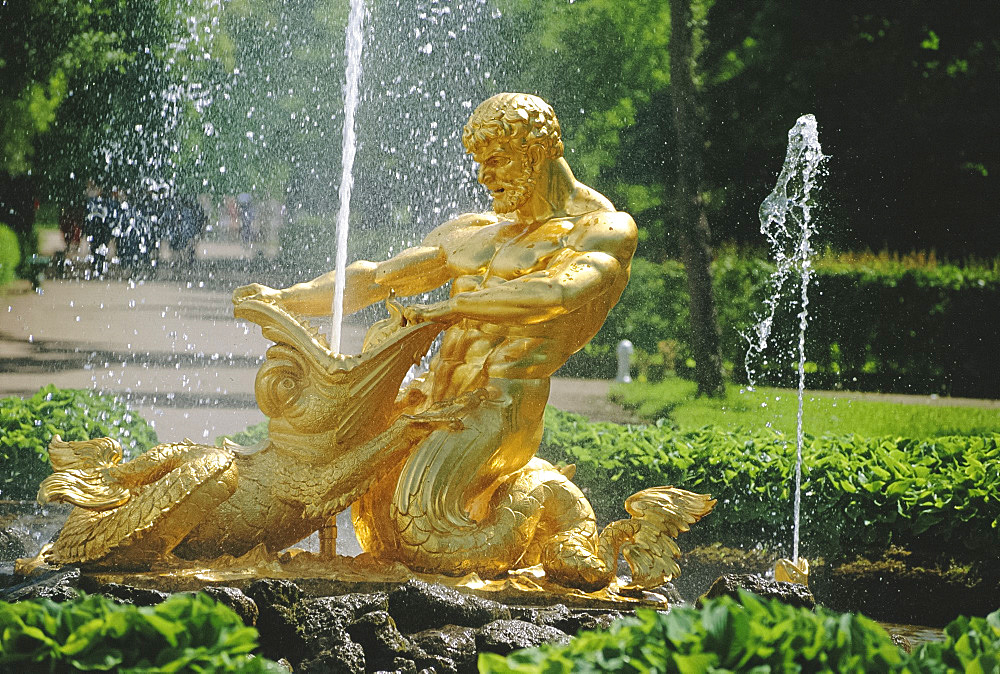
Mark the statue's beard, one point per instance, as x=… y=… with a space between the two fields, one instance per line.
x=516 y=194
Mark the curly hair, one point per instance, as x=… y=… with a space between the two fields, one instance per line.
x=507 y=117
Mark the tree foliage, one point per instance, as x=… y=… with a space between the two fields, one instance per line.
x=47 y=47
x=902 y=93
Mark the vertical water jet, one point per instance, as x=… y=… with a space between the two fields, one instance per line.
x=786 y=220
x=352 y=50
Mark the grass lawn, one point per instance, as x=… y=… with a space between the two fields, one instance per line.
x=824 y=412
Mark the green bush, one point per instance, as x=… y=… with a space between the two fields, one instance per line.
x=755 y=635
x=10 y=254
x=860 y=495
x=247 y=437
x=970 y=645
x=184 y=633
x=27 y=427
x=874 y=324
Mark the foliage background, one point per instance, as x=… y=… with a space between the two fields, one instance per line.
x=226 y=96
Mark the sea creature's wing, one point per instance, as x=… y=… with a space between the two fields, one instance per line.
x=659 y=514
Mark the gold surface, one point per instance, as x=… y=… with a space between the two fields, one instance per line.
x=443 y=475
x=792 y=572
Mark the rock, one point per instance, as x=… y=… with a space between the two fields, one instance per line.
x=565 y=619
x=358 y=604
x=11 y=546
x=436 y=664
x=583 y=620
x=417 y=606
x=403 y=666
x=505 y=636
x=273 y=592
x=792 y=594
x=58 y=585
x=127 y=594
x=305 y=630
x=244 y=606
x=383 y=644
x=454 y=644
x=348 y=657
x=670 y=591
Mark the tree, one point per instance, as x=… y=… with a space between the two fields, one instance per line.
x=46 y=48
x=903 y=96
x=695 y=235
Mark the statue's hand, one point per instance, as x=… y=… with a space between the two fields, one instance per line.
x=439 y=312
x=255 y=291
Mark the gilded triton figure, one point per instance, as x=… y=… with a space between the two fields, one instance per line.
x=443 y=474
x=531 y=282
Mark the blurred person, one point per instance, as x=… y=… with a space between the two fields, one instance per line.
x=97 y=227
x=184 y=222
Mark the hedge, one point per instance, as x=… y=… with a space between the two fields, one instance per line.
x=874 y=325
x=859 y=495
x=755 y=635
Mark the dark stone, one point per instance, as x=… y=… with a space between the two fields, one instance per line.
x=11 y=546
x=273 y=592
x=548 y=615
x=278 y=636
x=672 y=594
x=437 y=664
x=582 y=620
x=792 y=594
x=383 y=644
x=403 y=666
x=127 y=594
x=528 y=614
x=58 y=585
x=417 y=605
x=565 y=619
x=347 y=658
x=304 y=631
x=703 y=564
x=358 y=604
x=607 y=618
x=244 y=606
x=451 y=643
x=506 y=636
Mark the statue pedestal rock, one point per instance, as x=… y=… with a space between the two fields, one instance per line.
x=442 y=474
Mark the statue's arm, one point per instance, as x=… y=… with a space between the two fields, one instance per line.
x=575 y=276
x=413 y=271
x=574 y=280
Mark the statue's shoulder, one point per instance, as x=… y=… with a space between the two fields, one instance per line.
x=608 y=231
x=464 y=225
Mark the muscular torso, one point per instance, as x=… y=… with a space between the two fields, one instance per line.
x=483 y=253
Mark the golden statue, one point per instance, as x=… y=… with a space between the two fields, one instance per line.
x=444 y=477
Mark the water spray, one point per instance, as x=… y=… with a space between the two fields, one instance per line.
x=352 y=49
x=786 y=221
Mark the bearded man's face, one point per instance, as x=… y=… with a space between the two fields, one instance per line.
x=506 y=171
